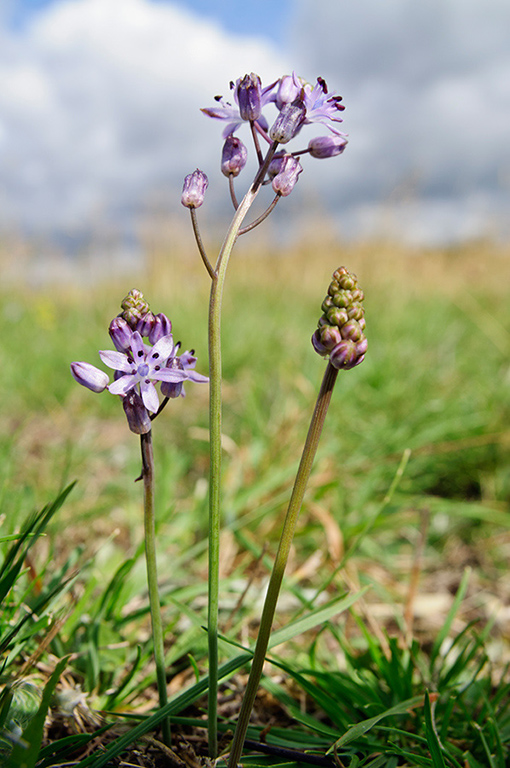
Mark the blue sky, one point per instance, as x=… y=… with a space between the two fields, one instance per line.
x=264 y=17
x=99 y=107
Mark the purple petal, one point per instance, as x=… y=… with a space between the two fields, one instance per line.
x=162 y=350
x=194 y=376
x=169 y=374
x=138 y=348
x=116 y=360
x=123 y=385
x=149 y=395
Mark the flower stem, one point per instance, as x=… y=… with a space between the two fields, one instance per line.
x=152 y=575
x=215 y=304
x=296 y=500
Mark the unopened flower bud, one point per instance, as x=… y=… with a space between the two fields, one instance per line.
x=120 y=333
x=145 y=324
x=89 y=376
x=193 y=190
x=289 y=121
x=330 y=336
x=276 y=164
x=317 y=344
x=136 y=413
x=323 y=147
x=161 y=327
x=173 y=389
x=288 y=91
x=234 y=156
x=351 y=330
x=248 y=96
x=285 y=181
x=362 y=345
x=344 y=355
x=135 y=307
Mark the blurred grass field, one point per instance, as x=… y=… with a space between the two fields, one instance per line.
x=428 y=411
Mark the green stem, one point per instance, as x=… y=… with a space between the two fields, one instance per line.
x=296 y=500
x=215 y=303
x=152 y=575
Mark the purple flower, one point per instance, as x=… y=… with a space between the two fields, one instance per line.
x=327 y=146
x=298 y=102
x=289 y=121
x=120 y=333
x=286 y=179
x=320 y=106
x=232 y=114
x=234 y=156
x=185 y=362
x=162 y=327
x=89 y=376
x=143 y=366
x=193 y=190
x=249 y=97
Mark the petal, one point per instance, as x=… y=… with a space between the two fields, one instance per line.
x=149 y=395
x=169 y=374
x=194 y=376
x=138 y=348
x=116 y=360
x=89 y=376
x=161 y=351
x=123 y=385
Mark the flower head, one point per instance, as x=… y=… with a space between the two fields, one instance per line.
x=138 y=366
x=297 y=101
x=141 y=367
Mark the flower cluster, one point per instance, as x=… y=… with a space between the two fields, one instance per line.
x=298 y=103
x=137 y=365
x=340 y=332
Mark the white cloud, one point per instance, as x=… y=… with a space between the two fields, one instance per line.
x=99 y=105
x=426 y=90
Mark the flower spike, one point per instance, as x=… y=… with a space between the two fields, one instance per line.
x=340 y=332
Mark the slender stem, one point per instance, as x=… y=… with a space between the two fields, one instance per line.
x=296 y=500
x=232 y=190
x=215 y=303
x=261 y=218
x=256 y=142
x=152 y=575
x=200 y=244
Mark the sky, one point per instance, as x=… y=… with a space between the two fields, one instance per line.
x=100 y=120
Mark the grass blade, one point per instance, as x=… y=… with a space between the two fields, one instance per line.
x=25 y=755
x=432 y=739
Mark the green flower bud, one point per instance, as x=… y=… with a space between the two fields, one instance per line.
x=327 y=304
x=134 y=308
x=337 y=316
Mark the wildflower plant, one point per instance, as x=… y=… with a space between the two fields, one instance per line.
x=294 y=103
x=139 y=367
x=146 y=358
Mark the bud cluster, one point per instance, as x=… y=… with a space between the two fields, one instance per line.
x=340 y=332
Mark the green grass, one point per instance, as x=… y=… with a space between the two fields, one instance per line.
x=435 y=381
